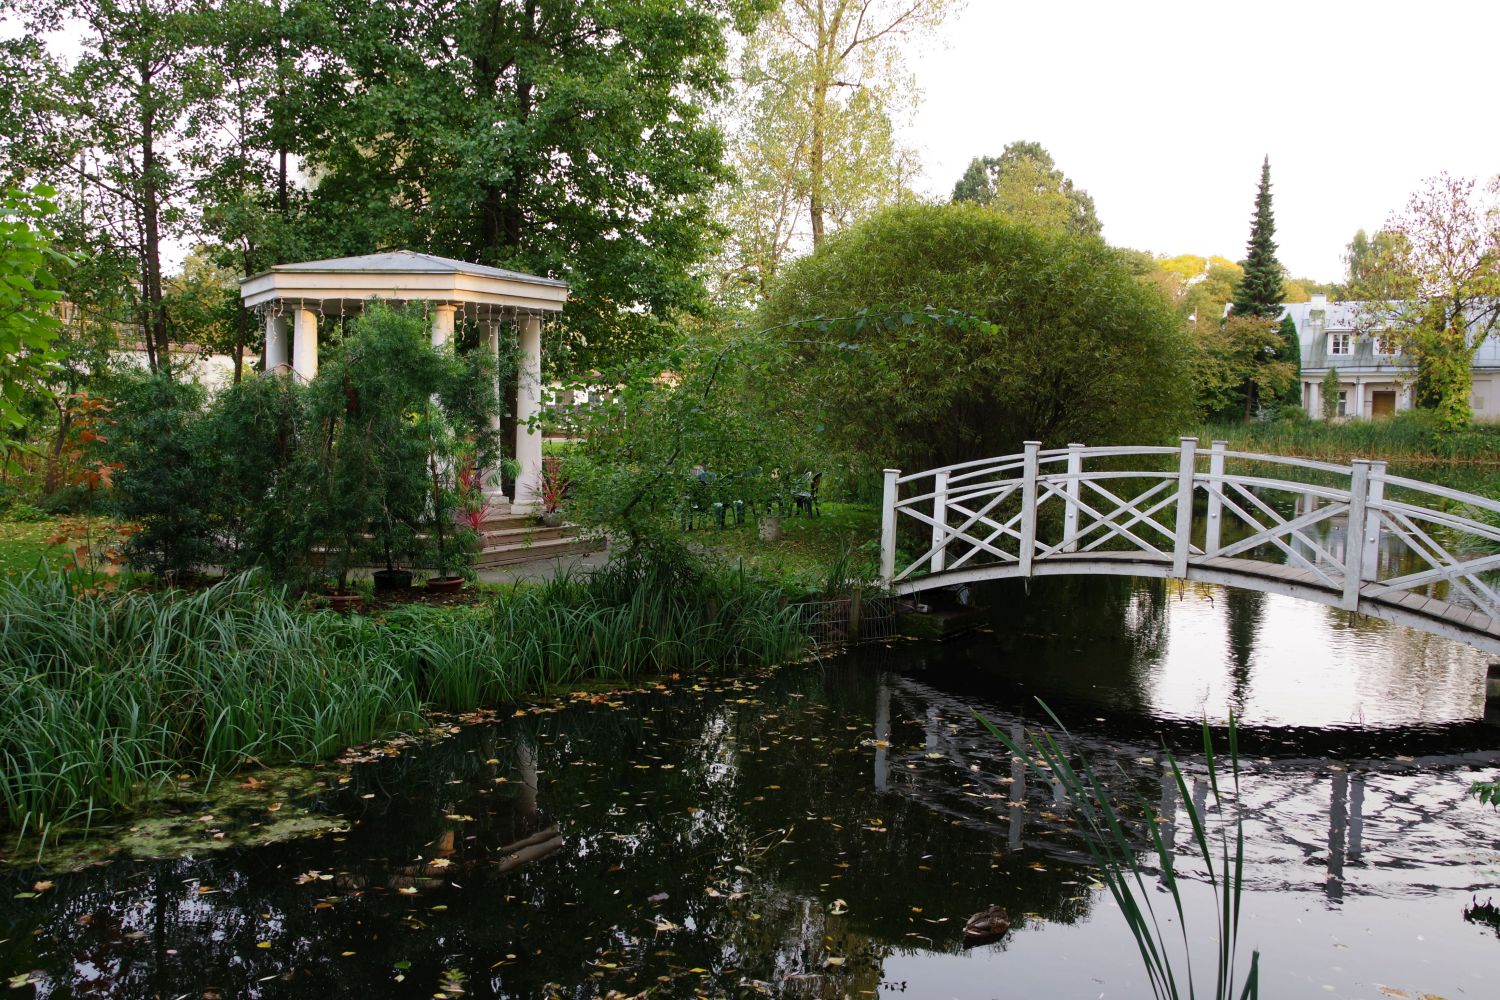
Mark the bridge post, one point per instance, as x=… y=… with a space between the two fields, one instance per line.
x=888 y=528
x=1028 y=506
x=1182 y=537
x=1070 y=519
x=940 y=521
x=1354 y=543
x=1370 y=562
x=1215 y=498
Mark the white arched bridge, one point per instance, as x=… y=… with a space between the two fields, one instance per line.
x=1352 y=536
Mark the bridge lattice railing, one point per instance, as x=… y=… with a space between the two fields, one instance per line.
x=1353 y=529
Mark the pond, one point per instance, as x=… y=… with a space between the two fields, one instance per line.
x=825 y=830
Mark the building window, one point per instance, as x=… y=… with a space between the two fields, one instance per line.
x=1343 y=402
x=1340 y=343
x=1383 y=347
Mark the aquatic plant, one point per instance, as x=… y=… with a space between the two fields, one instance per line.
x=1115 y=850
x=105 y=698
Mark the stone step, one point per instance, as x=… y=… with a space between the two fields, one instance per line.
x=550 y=548
x=506 y=522
x=506 y=537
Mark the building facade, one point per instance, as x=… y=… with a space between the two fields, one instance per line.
x=1374 y=379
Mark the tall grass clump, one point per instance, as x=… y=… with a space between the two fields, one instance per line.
x=1114 y=849
x=105 y=698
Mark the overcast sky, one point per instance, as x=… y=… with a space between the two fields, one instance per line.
x=1163 y=109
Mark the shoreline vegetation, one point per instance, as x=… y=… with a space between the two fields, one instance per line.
x=1411 y=438
x=109 y=699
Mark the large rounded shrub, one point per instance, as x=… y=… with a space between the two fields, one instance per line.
x=1074 y=348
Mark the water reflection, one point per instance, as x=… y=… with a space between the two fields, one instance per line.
x=825 y=832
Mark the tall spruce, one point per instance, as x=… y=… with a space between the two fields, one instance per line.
x=1260 y=292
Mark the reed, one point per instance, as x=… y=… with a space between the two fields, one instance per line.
x=106 y=698
x=1117 y=854
x=1412 y=438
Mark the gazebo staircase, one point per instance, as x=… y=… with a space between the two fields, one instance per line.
x=508 y=539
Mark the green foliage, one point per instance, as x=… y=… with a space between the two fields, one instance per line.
x=161 y=484
x=1431 y=282
x=1410 y=437
x=104 y=698
x=560 y=137
x=29 y=323
x=1025 y=184
x=1112 y=842
x=360 y=466
x=1290 y=354
x=1487 y=792
x=1065 y=344
x=1234 y=353
x=697 y=409
x=1261 y=292
x=1329 y=393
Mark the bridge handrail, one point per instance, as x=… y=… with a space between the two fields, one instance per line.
x=1154 y=519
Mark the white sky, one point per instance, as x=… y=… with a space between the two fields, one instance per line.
x=1163 y=109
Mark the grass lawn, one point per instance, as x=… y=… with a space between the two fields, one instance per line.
x=808 y=545
x=24 y=543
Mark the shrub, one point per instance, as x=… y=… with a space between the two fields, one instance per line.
x=1073 y=347
x=164 y=483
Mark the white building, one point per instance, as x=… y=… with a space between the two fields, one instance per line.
x=1375 y=381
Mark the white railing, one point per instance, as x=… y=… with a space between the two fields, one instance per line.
x=1353 y=530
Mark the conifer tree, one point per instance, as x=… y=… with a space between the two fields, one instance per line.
x=1260 y=293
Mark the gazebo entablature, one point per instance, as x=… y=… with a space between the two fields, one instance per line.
x=291 y=298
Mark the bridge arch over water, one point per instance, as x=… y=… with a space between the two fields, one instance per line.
x=1352 y=536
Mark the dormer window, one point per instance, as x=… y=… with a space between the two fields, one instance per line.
x=1340 y=343
x=1383 y=347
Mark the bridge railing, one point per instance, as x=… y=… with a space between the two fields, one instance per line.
x=1352 y=529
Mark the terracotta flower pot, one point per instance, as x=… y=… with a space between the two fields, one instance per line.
x=343 y=602
x=445 y=584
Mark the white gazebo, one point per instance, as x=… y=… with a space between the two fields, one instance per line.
x=292 y=297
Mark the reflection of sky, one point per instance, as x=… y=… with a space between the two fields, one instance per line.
x=1309 y=665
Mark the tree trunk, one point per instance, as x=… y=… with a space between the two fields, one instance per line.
x=815 y=155
x=151 y=221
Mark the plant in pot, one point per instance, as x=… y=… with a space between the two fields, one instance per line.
x=554 y=490
x=453 y=541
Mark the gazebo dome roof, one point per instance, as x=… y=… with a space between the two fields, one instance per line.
x=344 y=283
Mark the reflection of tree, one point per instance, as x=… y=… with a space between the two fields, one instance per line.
x=1243 y=612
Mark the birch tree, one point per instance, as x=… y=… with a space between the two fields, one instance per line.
x=823 y=89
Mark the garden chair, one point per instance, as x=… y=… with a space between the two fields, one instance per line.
x=806 y=499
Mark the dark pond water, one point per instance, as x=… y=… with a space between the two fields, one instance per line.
x=825 y=831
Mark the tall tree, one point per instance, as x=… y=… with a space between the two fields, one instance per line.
x=823 y=88
x=29 y=324
x=119 y=130
x=1434 y=286
x=1025 y=184
x=563 y=137
x=1260 y=292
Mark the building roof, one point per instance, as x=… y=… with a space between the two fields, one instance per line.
x=346 y=283
x=410 y=262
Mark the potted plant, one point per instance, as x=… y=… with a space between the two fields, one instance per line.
x=454 y=541
x=554 y=490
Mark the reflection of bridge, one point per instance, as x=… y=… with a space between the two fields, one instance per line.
x=1309 y=809
x=1107 y=511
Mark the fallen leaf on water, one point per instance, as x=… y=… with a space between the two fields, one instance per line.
x=407 y=890
x=42 y=886
x=263 y=944
x=838 y=907
x=274 y=807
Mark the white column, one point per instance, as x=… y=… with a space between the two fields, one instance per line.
x=276 y=345
x=528 y=405
x=493 y=488
x=305 y=344
x=442 y=326
x=1315 y=400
